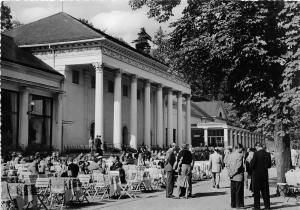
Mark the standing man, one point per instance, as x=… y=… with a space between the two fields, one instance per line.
x=215 y=166
x=170 y=160
x=235 y=169
x=260 y=163
x=98 y=145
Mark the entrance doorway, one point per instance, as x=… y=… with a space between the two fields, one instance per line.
x=125 y=136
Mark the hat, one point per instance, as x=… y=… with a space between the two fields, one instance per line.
x=184 y=146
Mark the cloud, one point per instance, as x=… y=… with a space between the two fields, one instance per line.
x=35 y=13
x=124 y=24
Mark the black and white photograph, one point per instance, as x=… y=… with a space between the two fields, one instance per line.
x=150 y=104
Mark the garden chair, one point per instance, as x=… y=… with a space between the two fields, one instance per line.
x=7 y=201
x=101 y=185
x=57 y=191
x=293 y=183
x=43 y=190
x=87 y=186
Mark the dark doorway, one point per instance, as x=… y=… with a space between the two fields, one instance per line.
x=92 y=130
x=125 y=135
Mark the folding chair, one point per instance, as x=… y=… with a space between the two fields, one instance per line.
x=57 y=191
x=87 y=186
x=7 y=201
x=132 y=187
x=293 y=184
x=101 y=185
x=43 y=191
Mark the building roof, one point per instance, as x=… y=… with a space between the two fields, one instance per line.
x=196 y=111
x=61 y=27
x=11 y=52
x=210 y=107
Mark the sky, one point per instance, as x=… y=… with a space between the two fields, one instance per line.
x=115 y=17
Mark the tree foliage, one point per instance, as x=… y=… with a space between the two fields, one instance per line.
x=6 y=18
x=162 y=47
x=141 y=43
x=243 y=52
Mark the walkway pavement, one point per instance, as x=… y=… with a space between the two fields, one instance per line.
x=205 y=198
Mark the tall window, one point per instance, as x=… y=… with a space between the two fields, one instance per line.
x=9 y=117
x=138 y=94
x=125 y=90
x=40 y=120
x=110 y=86
x=93 y=82
x=75 y=77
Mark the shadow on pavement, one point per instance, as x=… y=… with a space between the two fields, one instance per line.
x=285 y=206
x=204 y=194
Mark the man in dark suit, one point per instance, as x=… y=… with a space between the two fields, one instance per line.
x=170 y=160
x=260 y=163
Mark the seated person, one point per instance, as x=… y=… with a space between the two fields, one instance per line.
x=129 y=159
x=74 y=168
x=116 y=164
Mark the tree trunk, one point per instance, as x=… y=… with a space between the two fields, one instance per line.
x=282 y=154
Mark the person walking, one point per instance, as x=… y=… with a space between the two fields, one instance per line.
x=260 y=163
x=215 y=166
x=184 y=161
x=235 y=169
x=169 y=163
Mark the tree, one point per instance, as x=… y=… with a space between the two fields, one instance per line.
x=243 y=52
x=85 y=21
x=141 y=43
x=6 y=17
x=162 y=46
x=16 y=24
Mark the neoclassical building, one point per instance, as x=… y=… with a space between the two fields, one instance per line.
x=30 y=99
x=210 y=127
x=108 y=88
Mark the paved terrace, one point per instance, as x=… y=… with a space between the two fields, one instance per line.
x=205 y=198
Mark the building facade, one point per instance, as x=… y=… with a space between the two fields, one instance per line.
x=31 y=92
x=210 y=127
x=109 y=89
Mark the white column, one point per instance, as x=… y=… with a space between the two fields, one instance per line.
x=159 y=116
x=117 y=135
x=57 y=125
x=242 y=138
x=226 y=137
x=23 y=117
x=188 y=120
x=147 y=117
x=99 y=102
x=170 y=117
x=205 y=137
x=230 y=141
x=133 y=113
x=238 y=135
x=179 y=119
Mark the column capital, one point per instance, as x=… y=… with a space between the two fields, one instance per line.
x=134 y=77
x=98 y=66
x=179 y=93
x=159 y=85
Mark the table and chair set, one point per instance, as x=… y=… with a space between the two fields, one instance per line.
x=290 y=189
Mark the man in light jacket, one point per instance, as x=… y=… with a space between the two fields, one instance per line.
x=235 y=169
x=170 y=160
x=215 y=165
